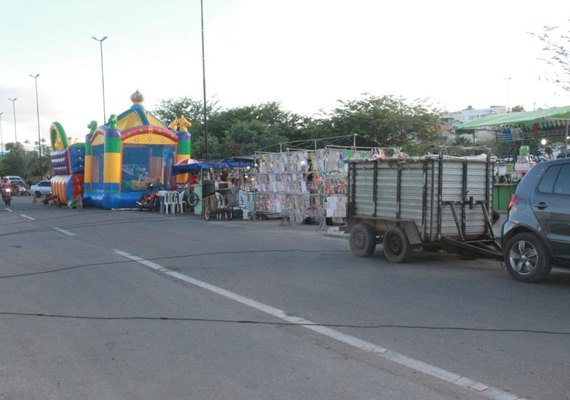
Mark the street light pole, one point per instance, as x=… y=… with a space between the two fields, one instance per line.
x=204 y=82
x=38 y=115
x=102 y=75
x=14 y=108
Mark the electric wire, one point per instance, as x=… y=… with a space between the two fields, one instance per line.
x=282 y=323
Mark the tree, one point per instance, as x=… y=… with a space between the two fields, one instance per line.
x=250 y=128
x=193 y=110
x=387 y=121
x=379 y=121
x=15 y=162
x=235 y=131
x=557 y=56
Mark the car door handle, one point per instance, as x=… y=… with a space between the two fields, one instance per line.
x=541 y=206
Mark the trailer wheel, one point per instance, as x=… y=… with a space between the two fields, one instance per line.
x=362 y=240
x=397 y=248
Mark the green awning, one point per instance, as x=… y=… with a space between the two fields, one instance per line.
x=516 y=118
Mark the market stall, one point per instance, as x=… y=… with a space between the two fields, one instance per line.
x=212 y=187
x=548 y=128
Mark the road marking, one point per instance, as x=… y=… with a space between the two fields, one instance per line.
x=27 y=217
x=64 y=231
x=7 y=209
x=416 y=365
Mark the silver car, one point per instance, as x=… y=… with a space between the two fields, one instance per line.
x=42 y=188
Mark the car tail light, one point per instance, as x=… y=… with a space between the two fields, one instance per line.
x=512 y=202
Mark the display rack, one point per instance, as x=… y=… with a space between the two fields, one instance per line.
x=302 y=185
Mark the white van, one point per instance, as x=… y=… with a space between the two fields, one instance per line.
x=14 y=178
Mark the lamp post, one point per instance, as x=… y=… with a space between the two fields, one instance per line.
x=14 y=108
x=38 y=115
x=102 y=74
x=204 y=82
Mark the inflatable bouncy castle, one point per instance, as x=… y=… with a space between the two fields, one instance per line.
x=68 y=165
x=122 y=158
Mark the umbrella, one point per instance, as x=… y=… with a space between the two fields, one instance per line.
x=189 y=164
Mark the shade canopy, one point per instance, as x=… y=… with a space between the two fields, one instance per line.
x=517 y=118
x=190 y=164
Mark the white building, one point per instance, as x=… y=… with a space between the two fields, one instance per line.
x=470 y=113
x=452 y=119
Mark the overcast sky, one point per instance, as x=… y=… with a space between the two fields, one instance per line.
x=305 y=54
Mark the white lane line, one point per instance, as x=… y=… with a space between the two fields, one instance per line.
x=27 y=217
x=416 y=365
x=7 y=209
x=64 y=231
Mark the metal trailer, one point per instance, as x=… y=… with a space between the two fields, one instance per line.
x=430 y=203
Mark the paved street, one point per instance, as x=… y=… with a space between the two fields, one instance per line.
x=100 y=304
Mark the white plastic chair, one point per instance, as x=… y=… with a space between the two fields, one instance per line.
x=162 y=200
x=169 y=201
x=181 y=206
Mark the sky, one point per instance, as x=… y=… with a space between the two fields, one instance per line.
x=305 y=54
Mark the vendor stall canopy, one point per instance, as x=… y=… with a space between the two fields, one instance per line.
x=190 y=164
x=532 y=120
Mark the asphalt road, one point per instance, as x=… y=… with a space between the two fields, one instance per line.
x=100 y=304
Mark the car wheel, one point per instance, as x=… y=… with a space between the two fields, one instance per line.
x=362 y=240
x=526 y=258
x=397 y=248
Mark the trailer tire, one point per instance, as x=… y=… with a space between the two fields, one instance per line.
x=362 y=240
x=397 y=247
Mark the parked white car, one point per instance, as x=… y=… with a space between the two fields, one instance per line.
x=42 y=188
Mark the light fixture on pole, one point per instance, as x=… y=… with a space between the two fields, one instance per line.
x=1 y=138
x=204 y=82
x=38 y=115
x=14 y=108
x=102 y=75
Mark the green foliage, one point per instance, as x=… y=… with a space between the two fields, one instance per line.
x=24 y=163
x=193 y=110
x=379 y=121
x=387 y=121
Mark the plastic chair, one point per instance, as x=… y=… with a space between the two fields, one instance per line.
x=181 y=206
x=162 y=200
x=169 y=201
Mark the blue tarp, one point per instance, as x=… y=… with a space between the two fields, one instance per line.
x=182 y=168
